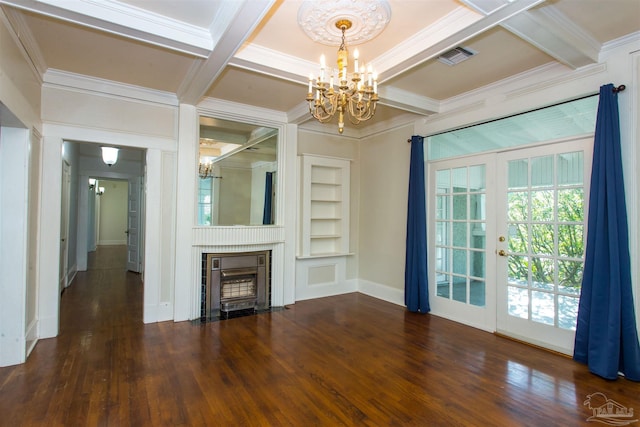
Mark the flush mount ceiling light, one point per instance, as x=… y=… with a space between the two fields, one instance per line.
x=354 y=94
x=109 y=155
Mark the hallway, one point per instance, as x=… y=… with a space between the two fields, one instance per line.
x=106 y=296
x=345 y=360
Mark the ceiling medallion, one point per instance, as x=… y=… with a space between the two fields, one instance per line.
x=368 y=18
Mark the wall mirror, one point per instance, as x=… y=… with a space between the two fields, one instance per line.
x=237 y=172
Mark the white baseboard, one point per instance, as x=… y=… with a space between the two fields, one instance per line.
x=165 y=312
x=31 y=337
x=380 y=291
x=112 y=242
x=47 y=328
x=11 y=350
x=71 y=274
x=158 y=313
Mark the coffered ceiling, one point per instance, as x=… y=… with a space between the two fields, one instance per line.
x=254 y=52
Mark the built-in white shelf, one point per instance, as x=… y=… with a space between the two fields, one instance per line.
x=325 y=206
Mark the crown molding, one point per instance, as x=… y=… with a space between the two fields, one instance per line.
x=629 y=39
x=384 y=126
x=25 y=41
x=316 y=127
x=127 y=21
x=240 y=112
x=299 y=114
x=64 y=79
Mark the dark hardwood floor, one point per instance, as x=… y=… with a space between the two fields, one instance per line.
x=344 y=360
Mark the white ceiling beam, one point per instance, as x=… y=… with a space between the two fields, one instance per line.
x=549 y=30
x=479 y=26
x=233 y=24
x=553 y=33
x=279 y=65
x=407 y=101
x=124 y=20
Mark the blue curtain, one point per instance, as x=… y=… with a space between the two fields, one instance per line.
x=606 y=336
x=416 y=294
x=268 y=199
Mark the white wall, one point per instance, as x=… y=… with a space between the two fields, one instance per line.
x=383 y=223
x=19 y=155
x=113 y=212
x=14 y=158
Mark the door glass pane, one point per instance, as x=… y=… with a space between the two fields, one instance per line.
x=459 y=176
x=460 y=234
x=459 y=289
x=442 y=233
x=477 y=181
x=477 y=286
x=571 y=168
x=460 y=207
x=567 y=311
x=442 y=285
x=542 y=171
x=518 y=270
x=545 y=220
x=477 y=293
x=571 y=205
x=542 y=239
x=478 y=238
x=518 y=173
x=542 y=273
x=518 y=302
x=477 y=207
x=442 y=207
x=570 y=240
x=460 y=261
x=518 y=238
x=518 y=206
x=542 y=205
x=542 y=307
x=570 y=276
x=443 y=181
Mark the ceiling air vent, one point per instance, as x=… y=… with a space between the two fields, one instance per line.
x=456 y=55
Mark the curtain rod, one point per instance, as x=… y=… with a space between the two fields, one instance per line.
x=615 y=90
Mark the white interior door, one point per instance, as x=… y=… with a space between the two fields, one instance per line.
x=133 y=225
x=64 y=225
x=462 y=263
x=542 y=213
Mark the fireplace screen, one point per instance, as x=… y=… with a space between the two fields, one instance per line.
x=236 y=281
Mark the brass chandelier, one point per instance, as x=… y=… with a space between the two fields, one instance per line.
x=354 y=94
x=205 y=169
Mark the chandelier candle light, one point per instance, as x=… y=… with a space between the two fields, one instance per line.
x=355 y=94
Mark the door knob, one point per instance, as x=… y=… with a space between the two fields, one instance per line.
x=502 y=252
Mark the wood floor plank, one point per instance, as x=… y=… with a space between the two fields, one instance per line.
x=347 y=360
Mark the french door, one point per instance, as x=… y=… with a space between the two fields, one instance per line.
x=542 y=216
x=508 y=232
